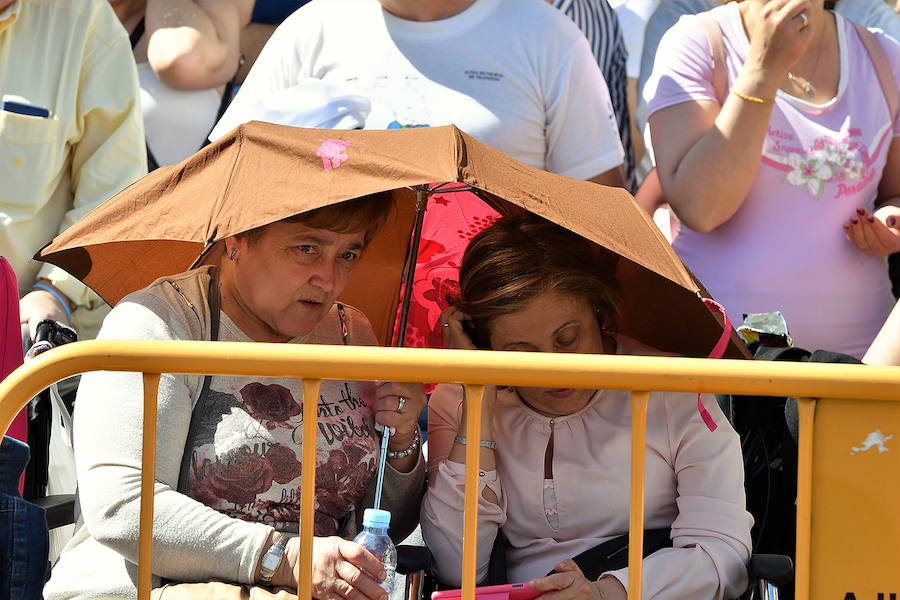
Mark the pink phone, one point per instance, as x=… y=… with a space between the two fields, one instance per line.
x=510 y=591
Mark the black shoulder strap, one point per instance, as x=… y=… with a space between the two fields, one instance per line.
x=135 y=37
x=612 y=554
x=152 y=165
x=137 y=34
x=215 y=314
x=214 y=300
x=227 y=96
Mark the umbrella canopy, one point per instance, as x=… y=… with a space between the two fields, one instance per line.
x=260 y=173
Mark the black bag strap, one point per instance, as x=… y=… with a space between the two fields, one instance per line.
x=227 y=94
x=215 y=315
x=138 y=33
x=612 y=554
x=214 y=300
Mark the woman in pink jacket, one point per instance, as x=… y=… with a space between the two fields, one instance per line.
x=555 y=462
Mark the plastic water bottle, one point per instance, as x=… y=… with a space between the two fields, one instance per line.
x=374 y=538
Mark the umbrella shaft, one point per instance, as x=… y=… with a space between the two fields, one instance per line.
x=421 y=201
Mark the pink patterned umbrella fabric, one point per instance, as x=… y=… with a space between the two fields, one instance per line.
x=452 y=219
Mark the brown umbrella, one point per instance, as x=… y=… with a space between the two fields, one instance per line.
x=171 y=219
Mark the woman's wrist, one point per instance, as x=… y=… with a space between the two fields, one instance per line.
x=610 y=588
x=757 y=82
x=401 y=448
x=400 y=441
x=284 y=574
x=44 y=285
x=487 y=415
x=268 y=544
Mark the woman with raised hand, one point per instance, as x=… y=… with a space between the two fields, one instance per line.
x=554 y=462
x=228 y=464
x=786 y=175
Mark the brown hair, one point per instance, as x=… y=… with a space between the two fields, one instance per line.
x=518 y=258
x=366 y=213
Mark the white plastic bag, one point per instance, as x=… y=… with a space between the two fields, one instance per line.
x=61 y=476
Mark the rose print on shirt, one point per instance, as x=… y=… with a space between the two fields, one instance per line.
x=242 y=481
x=273 y=404
x=248 y=465
x=333 y=153
x=346 y=474
x=284 y=463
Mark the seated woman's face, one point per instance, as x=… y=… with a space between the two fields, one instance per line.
x=551 y=322
x=289 y=277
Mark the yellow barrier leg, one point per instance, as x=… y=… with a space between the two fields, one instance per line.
x=474 y=396
x=148 y=481
x=308 y=488
x=806 y=408
x=639 y=402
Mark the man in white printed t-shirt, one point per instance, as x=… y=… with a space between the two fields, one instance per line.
x=515 y=74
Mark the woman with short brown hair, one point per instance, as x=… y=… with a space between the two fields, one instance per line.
x=228 y=455
x=554 y=462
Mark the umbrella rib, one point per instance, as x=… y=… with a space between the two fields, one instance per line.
x=441 y=188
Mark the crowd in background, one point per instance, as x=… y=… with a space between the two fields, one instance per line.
x=572 y=108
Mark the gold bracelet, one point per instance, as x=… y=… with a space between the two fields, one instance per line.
x=754 y=99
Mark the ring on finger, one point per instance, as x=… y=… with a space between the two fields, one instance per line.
x=401 y=401
x=805 y=20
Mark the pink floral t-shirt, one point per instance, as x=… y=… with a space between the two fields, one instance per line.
x=785 y=248
x=243 y=450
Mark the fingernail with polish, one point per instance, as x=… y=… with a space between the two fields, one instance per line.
x=892 y=221
x=871 y=219
x=860 y=211
x=854 y=220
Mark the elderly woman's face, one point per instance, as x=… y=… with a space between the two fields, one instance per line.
x=285 y=281
x=551 y=322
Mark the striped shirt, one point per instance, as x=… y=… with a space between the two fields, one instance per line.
x=597 y=20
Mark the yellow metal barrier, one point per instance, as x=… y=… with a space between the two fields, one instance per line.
x=475 y=369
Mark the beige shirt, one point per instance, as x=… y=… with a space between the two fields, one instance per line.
x=694 y=484
x=73 y=58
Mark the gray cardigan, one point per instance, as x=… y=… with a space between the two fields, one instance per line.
x=192 y=542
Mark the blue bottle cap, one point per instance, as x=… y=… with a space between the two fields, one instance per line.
x=375 y=517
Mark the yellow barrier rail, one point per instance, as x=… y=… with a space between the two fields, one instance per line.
x=312 y=363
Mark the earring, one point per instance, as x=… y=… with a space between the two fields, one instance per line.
x=232 y=254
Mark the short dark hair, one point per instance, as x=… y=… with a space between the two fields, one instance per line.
x=520 y=257
x=366 y=213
